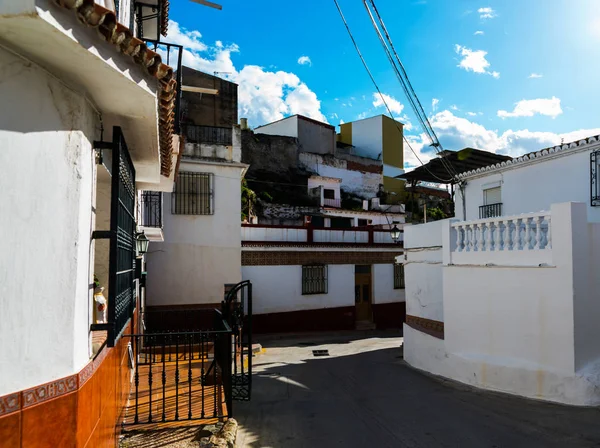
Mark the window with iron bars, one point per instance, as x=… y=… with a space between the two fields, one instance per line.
x=398 y=276
x=595 y=178
x=193 y=194
x=314 y=279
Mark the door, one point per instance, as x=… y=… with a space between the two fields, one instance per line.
x=362 y=292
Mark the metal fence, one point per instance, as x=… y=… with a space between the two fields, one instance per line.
x=490 y=210
x=208 y=134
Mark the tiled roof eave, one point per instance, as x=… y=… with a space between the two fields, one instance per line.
x=546 y=152
x=105 y=22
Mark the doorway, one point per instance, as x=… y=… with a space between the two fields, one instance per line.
x=362 y=292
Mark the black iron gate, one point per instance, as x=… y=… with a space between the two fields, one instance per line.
x=237 y=310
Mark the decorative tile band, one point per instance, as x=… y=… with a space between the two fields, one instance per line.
x=86 y=373
x=279 y=258
x=47 y=391
x=10 y=403
x=433 y=328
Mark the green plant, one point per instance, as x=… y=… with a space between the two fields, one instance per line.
x=248 y=200
x=435 y=214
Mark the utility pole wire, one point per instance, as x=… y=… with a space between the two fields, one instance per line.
x=406 y=85
x=381 y=95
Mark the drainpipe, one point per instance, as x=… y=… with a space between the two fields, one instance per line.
x=462 y=186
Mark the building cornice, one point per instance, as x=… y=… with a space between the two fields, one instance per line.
x=551 y=153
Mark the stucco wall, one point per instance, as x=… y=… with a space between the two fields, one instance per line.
x=315 y=138
x=200 y=253
x=367 y=137
x=287 y=126
x=46 y=194
x=535 y=186
x=383 y=285
x=277 y=289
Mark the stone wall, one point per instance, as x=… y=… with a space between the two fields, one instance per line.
x=264 y=153
x=284 y=214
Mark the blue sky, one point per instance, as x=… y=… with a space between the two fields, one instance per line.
x=507 y=76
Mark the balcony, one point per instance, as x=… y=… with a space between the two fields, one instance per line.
x=335 y=203
x=490 y=211
x=208 y=134
x=150 y=215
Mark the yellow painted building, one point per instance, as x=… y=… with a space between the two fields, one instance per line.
x=380 y=138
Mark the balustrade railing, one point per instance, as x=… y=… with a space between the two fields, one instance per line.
x=527 y=232
x=490 y=210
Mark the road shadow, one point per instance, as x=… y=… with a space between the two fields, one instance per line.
x=373 y=398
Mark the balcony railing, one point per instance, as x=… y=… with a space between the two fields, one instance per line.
x=170 y=54
x=208 y=134
x=151 y=209
x=490 y=211
x=332 y=202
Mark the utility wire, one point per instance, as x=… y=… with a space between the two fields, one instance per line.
x=382 y=97
x=406 y=85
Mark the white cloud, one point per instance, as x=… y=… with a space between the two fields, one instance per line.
x=394 y=105
x=454 y=107
x=474 y=60
x=456 y=133
x=478 y=33
x=472 y=114
x=434 y=104
x=263 y=95
x=536 y=75
x=528 y=108
x=342 y=121
x=333 y=116
x=304 y=60
x=486 y=13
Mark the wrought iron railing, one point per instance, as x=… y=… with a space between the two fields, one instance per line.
x=208 y=134
x=171 y=53
x=595 y=178
x=151 y=209
x=181 y=375
x=490 y=210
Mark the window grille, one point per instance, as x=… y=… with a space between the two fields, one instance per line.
x=314 y=279
x=193 y=194
x=398 y=276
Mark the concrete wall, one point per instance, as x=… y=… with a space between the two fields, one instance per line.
x=315 y=137
x=46 y=198
x=287 y=127
x=534 y=186
x=200 y=252
x=229 y=153
x=277 y=289
x=209 y=110
x=512 y=325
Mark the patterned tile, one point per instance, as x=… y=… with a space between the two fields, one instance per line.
x=10 y=403
x=433 y=328
x=86 y=373
x=279 y=258
x=48 y=391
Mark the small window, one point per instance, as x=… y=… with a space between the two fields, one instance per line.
x=492 y=196
x=595 y=179
x=314 y=279
x=328 y=194
x=362 y=222
x=193 y=194
x=398 y=276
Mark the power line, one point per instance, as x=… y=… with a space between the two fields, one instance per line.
x=381 y=94
x=406 y=85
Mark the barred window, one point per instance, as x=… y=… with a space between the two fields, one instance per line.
x=398 y=276
x=193 y=194
x=595 y=178
x=314 y=279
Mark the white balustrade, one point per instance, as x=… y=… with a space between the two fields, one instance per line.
x=340 y=236
x=292 y=235
x=512 y=236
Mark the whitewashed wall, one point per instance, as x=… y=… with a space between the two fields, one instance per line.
x=367 y=137
x=278 y=289
x=535 y=185
x=383 y=285
x=520 y=328
x=287 y=126
x=46 y=198
x=200 y=253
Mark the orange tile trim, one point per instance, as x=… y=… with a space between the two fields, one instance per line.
x=24 y=399
x=431 y=327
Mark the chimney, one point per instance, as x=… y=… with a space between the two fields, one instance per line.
x=244 y=124
x=365 y=204
x=375 y=205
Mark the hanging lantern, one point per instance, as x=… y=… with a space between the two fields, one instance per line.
x=395 y=233
x=142 y=243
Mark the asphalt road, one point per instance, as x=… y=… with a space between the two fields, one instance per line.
x=364 y=395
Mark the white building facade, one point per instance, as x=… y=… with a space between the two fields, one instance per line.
x=510 y=302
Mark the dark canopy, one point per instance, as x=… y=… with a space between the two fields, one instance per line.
x=466 y=159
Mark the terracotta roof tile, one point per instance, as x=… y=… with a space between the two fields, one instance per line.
x=105 y=21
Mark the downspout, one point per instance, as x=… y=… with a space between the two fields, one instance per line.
x=462 y=184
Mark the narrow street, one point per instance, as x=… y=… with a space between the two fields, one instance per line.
x=364 y=395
